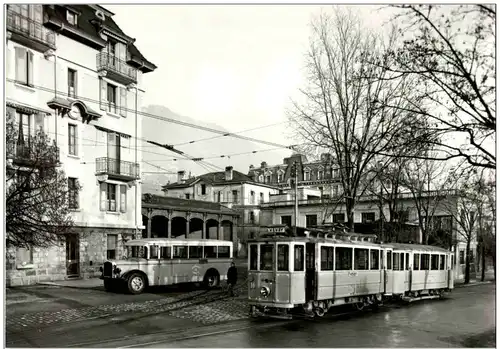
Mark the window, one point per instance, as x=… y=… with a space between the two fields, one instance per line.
x=72 y=138
x=251 y=217
x=326 y=258
x=195 y=252
x=72 y=193
x=71 y=83
x=338 y=218
x=166 y=252
x=389 y=260
x=252 y=198
x=395 y=259
x=321 y=174
x=111 y=246
x=434 y=262
x=441 y=262
x=407 y=263
x=266 y=257
x=299 y=258
x=24 y=256
x=343 y=258
x=153 y=252
x=374 y=259
x=71 y=17
x=261 y=178
x=111 y=197
x=471 y=256
x=261 y=197
x=367 y=217
x=462 y=257
x=425 y=261
x=24 y=66
x=280 y=177
x=223 y=252
x=187 y=196
x=311 y=220
x=180 y=252
x=210 y=251
x=203 y=189
x=268 y=179
x=286 y=220
x=360 y=259
x=123 y=198
x=235 y=196
x=307 y=176
x=111 y=98
x=282 y=257
x=416 y=261
x=253 y=257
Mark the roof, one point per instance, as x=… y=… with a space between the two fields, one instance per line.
x=150 y=200
x=416 y=247
x=87 y=20
x=215 y=178
x=188 y=242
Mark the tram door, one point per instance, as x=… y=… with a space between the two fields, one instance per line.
x=388 y=273
x=310 y=271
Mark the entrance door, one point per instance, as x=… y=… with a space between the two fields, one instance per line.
x=72 y=255
x=310 y=271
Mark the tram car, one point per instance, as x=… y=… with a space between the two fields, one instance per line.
x=312 y=270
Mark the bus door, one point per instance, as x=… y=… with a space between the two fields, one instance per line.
x=310 y=271
x=388 y=273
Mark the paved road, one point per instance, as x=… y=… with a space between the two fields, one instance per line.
x=63 y=317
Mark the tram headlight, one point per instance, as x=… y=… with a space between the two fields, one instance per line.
x=265 y=291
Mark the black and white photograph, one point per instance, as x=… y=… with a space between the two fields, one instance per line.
x=250 y=175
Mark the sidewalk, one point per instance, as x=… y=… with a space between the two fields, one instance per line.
x=473 y=282
x=92 y=283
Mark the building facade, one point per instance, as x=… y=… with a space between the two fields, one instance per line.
x=71 y=71
x=232 y=189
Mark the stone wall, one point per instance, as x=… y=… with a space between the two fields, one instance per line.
x=49 y=264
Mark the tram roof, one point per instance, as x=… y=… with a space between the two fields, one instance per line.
x=415 y=247
x=178 y=242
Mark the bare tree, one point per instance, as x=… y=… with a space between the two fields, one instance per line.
x=339 y=112
x=37 y=194
x=451 y=52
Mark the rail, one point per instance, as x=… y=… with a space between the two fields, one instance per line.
x=117 y=167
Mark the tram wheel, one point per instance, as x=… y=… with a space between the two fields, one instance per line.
x=211 y=279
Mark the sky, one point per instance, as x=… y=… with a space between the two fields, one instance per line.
x=233 y=65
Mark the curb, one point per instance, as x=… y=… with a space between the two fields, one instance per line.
x=69 y=286
x=460 y=285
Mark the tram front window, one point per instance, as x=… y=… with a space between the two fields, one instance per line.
x=266 y=257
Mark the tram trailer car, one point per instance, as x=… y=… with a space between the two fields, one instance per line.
x=312 y=274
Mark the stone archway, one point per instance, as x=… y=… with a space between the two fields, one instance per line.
x=195 y=228
x=179 y=227
x=159 y=227
x=211 y=228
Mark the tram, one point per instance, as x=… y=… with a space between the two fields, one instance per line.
x=313 y=270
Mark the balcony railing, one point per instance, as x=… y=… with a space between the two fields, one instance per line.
x=30 y=29
x=25 y=152
x=117 y=69
x=117 y=168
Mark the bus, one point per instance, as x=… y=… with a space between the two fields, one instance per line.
x=162 y=261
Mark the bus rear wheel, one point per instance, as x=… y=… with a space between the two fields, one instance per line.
x=211 y=279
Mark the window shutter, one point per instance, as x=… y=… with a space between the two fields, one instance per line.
x=39 y=121
x=123 y=198
x=30 y=68
x=77 y=193
x=103 y=196
x=104 y=94
x=123 y=101
x=20 y=64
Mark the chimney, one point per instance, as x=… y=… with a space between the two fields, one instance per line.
x=229 y=173
x=251 y=167
x=180 y=176
x=263 y=164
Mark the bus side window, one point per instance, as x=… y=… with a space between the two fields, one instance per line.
x=180 y=252
x=425 y=261
x=166 y=252
x=223 y=252
x=343 y=258
x=210 y=251
x=298 y=258
x=253 y=257
x=153 y=252
x=416 y=261
x=389 y=260
x=195 y=252
x=145 y=252
x=395 y=261
x=434 y=262
x=360 y=259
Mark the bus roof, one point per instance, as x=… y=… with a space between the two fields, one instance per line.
x=178 y=242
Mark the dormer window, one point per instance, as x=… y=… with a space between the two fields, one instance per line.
x=71 y=17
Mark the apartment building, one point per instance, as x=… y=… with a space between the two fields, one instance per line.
x=72 y=72
x=230 y=188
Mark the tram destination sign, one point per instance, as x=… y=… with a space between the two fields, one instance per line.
x=276 y=230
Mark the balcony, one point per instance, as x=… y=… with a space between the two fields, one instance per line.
x=116 y=69
x=117 y=169
x=27 y=153
x=30 y=33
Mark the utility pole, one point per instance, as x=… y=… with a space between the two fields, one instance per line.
x=296 y=197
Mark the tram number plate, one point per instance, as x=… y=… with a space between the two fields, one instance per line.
x=276 y=230
x=352 y=273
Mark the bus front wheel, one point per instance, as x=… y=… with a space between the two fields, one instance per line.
x=211 y=279
x=136 y=283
